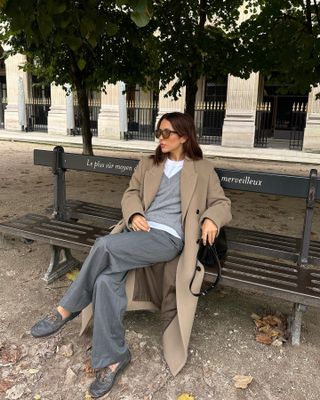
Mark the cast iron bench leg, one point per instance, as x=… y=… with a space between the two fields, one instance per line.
x=61 y=262
x=296 y=322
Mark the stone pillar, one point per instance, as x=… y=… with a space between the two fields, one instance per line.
x=311 y=139
x=109 y=116
x=239 y=123
x=200 y=105
x=168 y=104
x=57 y=116
x=11 y=118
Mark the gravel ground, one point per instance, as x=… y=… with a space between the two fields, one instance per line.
x=223 y=343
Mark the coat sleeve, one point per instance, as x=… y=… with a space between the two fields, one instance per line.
x=131 y=202
x=218 y=205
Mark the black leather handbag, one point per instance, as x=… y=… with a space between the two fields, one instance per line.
x=211 y=257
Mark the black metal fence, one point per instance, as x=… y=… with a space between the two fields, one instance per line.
x=263 y=124
x=94 y=109
x=209 y=117
x=285 y=132
x=37 y=114
x=3 y=105
x=141 y=120
x=299 y=118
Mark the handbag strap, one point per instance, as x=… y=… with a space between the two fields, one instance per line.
x=214 y=284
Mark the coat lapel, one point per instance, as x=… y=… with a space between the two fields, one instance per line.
x=189 y=178
x=152 y=181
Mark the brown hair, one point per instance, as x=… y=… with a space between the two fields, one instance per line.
x=184 y=125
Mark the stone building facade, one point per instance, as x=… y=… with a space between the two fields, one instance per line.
x=235 y=113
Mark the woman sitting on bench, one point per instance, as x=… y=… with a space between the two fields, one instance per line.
x=173 y=199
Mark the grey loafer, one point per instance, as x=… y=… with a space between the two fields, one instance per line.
x=105 y=378
x=50 y=324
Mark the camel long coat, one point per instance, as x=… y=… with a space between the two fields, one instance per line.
x=166 y=286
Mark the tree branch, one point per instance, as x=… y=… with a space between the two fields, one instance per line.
x=305 y=25
x=203 y=13
x=317 y=11
x=309 y=17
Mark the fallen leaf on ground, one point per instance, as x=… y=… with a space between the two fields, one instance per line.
x=66 y=350
x=277 y=343
x=5 y=385
x=19 y=391
x=37 y=397
x=242 y=381
x=263 y=338
x=87 y=368
x=87 y=396
x=9 y=355
x=71 y=377
x=72 y=274
x=270 y=328
x=33 y=371
x=272 y=320
x=47 y=348
x=185 y=396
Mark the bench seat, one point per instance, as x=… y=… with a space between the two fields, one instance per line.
x=261 y=273
x=279 y=246
x=72 y=235
x=244 y=240
x=97 y=212
x=271 y=276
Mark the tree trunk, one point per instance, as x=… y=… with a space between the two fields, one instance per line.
x=191 y=92
x=85 y=120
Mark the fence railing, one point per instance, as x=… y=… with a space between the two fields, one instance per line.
x=3 y=105
x=298 y=124
x=94 y=109
x=209 y=117
x=290 y=131
x=263 y=124
x=141 y=120
x=37 y=114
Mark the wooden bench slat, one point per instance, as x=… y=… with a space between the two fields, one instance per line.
x=288 y=285
x=255 y=271
x=287 y=247
x=36 y=227
x=281 y=246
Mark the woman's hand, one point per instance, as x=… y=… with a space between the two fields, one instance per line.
x=209 y=231
x=139 y=223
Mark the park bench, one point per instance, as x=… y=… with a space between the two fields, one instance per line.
x=277 y=265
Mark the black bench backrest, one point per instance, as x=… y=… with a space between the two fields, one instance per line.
x=252 y=181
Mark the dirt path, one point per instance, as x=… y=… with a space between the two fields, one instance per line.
x=222 y=343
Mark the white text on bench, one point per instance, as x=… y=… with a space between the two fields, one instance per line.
x=246 y=180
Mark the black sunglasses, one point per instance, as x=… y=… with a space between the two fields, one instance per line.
x=165 y=133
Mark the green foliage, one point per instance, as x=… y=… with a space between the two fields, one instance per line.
x=78 y=41
x=196 y=38
x=84 y=43
x=282 y=41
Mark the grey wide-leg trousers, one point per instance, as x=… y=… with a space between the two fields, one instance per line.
x=102 y=282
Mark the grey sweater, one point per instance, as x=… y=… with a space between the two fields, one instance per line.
x=166 y=206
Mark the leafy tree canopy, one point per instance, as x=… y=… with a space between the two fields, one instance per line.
x=282 y=40
x=84 y=43
x=196 y=38
x=94 y=40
